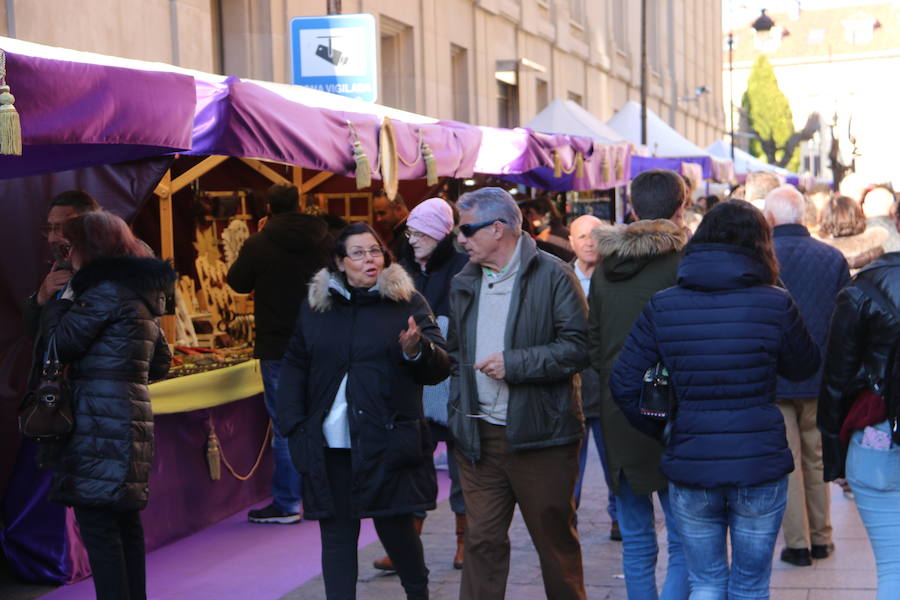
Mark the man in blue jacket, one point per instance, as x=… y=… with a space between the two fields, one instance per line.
x=813 y=273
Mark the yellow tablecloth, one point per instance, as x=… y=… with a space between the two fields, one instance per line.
x=205 y=390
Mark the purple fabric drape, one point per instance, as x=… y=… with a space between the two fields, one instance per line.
x=639 y=164
x=79 y=114
x=525 y=156
x=244 y=119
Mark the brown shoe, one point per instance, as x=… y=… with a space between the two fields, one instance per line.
x=384 y=563
x=460 y=541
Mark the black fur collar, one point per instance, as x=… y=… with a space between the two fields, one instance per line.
x=137 y=273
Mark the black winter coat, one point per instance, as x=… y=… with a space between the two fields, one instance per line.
x=861 y=337
x=434 y=282
x=110 y=338
x=355 y=333
x=277 y=263
x=724 y=335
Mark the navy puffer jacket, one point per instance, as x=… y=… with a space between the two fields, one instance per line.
x=110 y=338
x=725 y=336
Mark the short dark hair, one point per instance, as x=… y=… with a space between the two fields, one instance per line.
x=80 y=201
x=842 y=216
x=283 y=198
x=739 y=223
x=340 y=243
x=657 y=194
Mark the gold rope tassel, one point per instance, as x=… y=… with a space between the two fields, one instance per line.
x=10 y=126
x=431 y=174
x=606 y=169
x=363 y=169
x=620 y=167
x=557 y=164
x=579 y=165
x=214 y=456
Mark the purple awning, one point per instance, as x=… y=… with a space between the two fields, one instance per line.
x=77 y=114
x=527 y=157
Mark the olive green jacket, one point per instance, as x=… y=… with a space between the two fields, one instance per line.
x=638 y=260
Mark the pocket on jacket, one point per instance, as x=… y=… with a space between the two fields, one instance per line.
x=303 y=449
x=403 y=443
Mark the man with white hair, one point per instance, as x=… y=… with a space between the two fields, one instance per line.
x=813 y=272
x=517 y=340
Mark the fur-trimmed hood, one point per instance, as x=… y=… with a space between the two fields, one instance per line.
x=394 y=283
x=640 y=239
x=150 y=278
x=627 y=249
x=862 y=248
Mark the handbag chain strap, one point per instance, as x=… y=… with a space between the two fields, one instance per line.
x=51 y=364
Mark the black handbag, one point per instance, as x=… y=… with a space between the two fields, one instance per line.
x=658 y=398
x=45 y=414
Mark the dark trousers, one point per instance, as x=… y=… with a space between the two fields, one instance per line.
x=541 y=482
x=115 y=545
x=340 y=536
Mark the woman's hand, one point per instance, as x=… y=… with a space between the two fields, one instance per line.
x=410 y=339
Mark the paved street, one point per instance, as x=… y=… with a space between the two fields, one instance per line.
x=848 y=575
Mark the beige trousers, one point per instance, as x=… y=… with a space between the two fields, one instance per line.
x=807 y=518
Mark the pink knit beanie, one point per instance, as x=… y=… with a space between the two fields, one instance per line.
x=433 y=217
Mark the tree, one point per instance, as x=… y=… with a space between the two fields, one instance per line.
x=768 y=115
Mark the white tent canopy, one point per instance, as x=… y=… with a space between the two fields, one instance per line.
x=567 y=117
x=744 y=162
x=662 y=139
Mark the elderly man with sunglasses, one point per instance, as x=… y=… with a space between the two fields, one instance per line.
x=518 y=340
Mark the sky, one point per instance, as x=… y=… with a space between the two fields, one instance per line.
x=743 y=11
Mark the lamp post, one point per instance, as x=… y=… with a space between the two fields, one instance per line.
x=644 y=72
x=731 y=87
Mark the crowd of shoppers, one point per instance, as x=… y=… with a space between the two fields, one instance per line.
x=777 y=361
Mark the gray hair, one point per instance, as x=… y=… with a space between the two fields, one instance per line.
x=492 y=203
x=759 y=184
x=786 y=205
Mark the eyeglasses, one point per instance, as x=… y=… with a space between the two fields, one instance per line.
x=413 y=235
x=49 y=228
x=360 y=254
x=470 y=229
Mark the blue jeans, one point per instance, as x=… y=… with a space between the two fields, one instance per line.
x=874 y=476
x=593 y=426
x=639 y=547
x=752 y=513
x=285 y=479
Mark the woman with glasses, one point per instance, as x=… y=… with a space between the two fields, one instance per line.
x=350 y=404
x=724 y=334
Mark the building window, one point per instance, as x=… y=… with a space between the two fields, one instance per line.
x=816 y=36
x=397 y=65
x=542 y=94
x=459 y=66
x=576 y=11
x=576 y=98
x=859 y=31
x=620 y=24
x=507 y=105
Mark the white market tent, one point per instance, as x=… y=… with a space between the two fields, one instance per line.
x=567 y=117
x=744 y=162
x=662 y=139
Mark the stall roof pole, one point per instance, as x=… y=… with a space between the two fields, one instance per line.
x=167 y=241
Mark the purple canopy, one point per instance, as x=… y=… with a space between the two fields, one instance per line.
x=77 y=114
x=272 y=122
x=527 y=157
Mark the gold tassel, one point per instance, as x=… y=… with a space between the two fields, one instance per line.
x=363 y=170
x=213 y=456
x=431 y=174
x=579 y=165
x=620 y=167
x=557 y=164
x=10 y=126
x=606 y=169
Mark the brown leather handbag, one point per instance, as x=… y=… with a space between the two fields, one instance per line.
x=45 y=414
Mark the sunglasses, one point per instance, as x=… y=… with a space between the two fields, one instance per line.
x=470 y=229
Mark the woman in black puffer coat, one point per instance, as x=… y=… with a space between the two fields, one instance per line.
x=106 y=329
x=350 y=404
x=724 y=333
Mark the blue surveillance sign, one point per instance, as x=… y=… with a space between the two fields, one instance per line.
x=335 y=54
